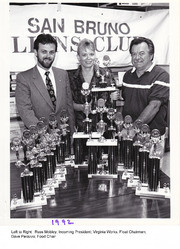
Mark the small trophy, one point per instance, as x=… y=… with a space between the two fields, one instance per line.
x=111 y=128
x=111 y=117
x=87 y=122
x=103 y=82
x=101 y=127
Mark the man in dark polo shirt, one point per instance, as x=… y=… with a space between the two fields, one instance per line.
x=146 y=87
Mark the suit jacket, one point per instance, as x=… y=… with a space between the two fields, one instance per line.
x=32 y=97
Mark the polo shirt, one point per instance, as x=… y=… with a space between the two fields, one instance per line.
x=139 y=91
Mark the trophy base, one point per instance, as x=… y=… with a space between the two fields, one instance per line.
x=95 y=142
x=106 y=176
x=120 y=167
x=133 y=183
x=127 y=174
x=37 y=202
x=161 y=193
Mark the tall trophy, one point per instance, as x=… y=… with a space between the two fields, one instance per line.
x=128 y=135
x=136 y=146
x=87 y=122
x=65 y=132
x=155 y=155
x=144 y=154
x=119 y=150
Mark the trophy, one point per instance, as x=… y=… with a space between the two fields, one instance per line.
x=144 y=154
x=111 y=117
x=103 y=82
x=136 y=146
x=87 y=122
x=65 y=132
x=128 y=135
x=27 y=142
x=101 y=125
x=155 y=155
x=119 y=150
x=16 y=145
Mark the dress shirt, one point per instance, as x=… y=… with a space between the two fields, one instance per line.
x=51 y=76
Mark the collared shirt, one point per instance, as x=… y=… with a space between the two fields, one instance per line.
x=147 y=70
x=51 y=76
x=139 y=91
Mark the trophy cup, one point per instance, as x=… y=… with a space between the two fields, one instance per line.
x=144 y=154
x=155 y=155
x=16 y=145
x=87 y=122
x=101 y=125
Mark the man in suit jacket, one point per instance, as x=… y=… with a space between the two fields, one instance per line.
x=32 y=97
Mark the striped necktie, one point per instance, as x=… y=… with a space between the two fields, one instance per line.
x=50 y=89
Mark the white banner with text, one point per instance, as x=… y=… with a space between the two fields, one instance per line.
x=111 y=30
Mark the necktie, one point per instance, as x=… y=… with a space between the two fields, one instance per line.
x=50 y=89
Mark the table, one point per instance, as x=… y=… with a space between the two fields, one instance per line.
x=82 y=197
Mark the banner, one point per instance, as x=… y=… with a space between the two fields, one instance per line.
x=111 y=30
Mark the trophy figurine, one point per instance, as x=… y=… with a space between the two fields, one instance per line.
x=87 y=122
x=111 y=117
x=52 y=121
